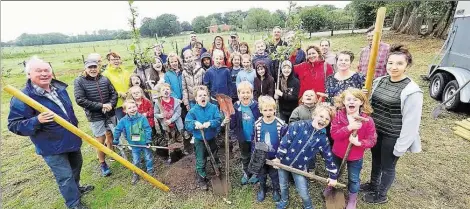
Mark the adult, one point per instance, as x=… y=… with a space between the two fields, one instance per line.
x=220 y=45
x=312 y=74
x=59 y=147
x=192 y=41
x=328 y=54
x=381 y=62
x=276 y=41
x=298 y=55
x=96 y=95
x=344 y=76
x=98 y=59
x=244 y=48
x=234 y=43
x=148 y=75
x=272 y=47
x=158 y=51
x=288 y=92
x=197 y=48
x=398 y=103
x=119 y=77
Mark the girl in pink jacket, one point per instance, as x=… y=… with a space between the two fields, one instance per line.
x=353 y=117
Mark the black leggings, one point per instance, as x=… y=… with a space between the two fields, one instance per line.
x=383 y=163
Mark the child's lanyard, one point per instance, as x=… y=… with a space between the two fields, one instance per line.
x=136 y=131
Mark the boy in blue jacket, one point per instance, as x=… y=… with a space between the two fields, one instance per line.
x=203 y=116
x=301 y=143
x=137 y=132
x=242 y=122
x=218 y=78
x=268 y=130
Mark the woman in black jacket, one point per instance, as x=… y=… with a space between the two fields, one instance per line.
x=97 y=96
x=287 y=92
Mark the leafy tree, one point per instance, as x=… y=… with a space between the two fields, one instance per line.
x=258 y=19
x=234 y=18
x=218 y=18
x=365 y=12
x=200 y=24
x=313 y=18
x=279 y=18
x=186 y=26
x=167 y=24
x=146 y=29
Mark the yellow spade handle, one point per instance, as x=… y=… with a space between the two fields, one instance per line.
x=379 y=22
x=39 y=107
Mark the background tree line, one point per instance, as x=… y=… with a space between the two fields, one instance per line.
x=426 y=18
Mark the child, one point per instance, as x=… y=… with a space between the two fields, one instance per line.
x=268 y=129
x=236 y=68
x=217 y=78
x=305 y=109
x=244 y=49
x=160 y=69
x=168 y=113
x=288 y=92
x=192 y=76
x=247 y=74
x=173 y=76
x=206 y=117
x=301 y=143
x=144 y=106
x=135 y=80
x=262 y=55
x=242 y=122
x=206 y=61
x=137 y=132
x=352 y=102
x=264 y=82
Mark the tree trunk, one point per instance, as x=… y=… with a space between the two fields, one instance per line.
x=416 y=26
x=411 y=20
x=406 y=16
x=430 y=26
x=397 y=18
x=442 y=27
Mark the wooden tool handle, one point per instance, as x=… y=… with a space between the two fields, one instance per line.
x=303 y=173
x=208 y=148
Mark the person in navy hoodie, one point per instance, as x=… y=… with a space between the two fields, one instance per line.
x=59 y=147
x=218 y=78
x=300 y=144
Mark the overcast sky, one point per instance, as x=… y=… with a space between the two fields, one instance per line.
x=76 y=17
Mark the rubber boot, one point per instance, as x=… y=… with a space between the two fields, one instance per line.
x=352 y=201
x=262 y=190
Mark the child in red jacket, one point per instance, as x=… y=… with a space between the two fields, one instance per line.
x=352 y=103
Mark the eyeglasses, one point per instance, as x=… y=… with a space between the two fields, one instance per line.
x=116 y=59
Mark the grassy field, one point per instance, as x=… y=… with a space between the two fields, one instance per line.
x=436 y=178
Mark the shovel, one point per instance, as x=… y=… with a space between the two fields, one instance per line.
x=218 y=184
x=225 y=103
x=438 y=110
x=336 y=199
x=303 y=173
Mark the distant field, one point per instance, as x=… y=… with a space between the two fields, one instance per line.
x=436 y=178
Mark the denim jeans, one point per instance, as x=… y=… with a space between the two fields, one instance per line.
x=66 y=168
x=354 y=173
x=136 y=151
x=301 y=184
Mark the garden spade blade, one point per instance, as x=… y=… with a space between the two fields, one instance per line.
x=218 y=184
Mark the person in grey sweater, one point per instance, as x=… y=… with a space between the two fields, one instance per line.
x=305 y=110
x=398 y=103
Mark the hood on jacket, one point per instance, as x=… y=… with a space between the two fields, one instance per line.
x=205 y=55
x=266 y=69
x=288 y=62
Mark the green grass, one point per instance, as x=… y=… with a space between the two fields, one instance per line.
x=435 y=178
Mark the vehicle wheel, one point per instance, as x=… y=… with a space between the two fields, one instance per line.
x=437 y=84
x=451 y=89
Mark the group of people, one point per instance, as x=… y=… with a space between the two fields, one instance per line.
x=319 y=99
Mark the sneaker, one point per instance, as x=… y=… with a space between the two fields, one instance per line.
x=135 y=178
x=261 y=195
x=112 y=160
x=281 y=205
x=202 y=182
x=244 y=179
x=85 y=189
x=105 y=170
x=276 y=196
x=253 y=179
x=375 y=198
